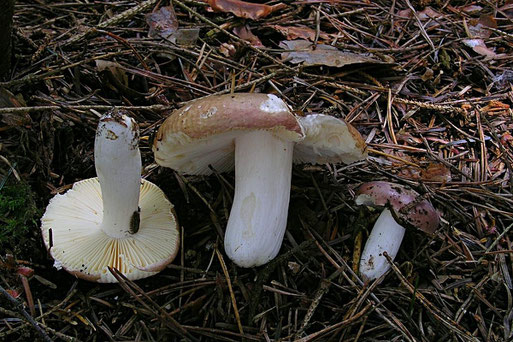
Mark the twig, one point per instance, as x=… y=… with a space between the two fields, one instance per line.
x=323 y=289
x=495 y=242
x=421 y=27
x=32 y=78
x=432 y=106
x=19 y=307
x=17 y=110
x=437 y=313
x=129 y=285
x=338 y=325
x=123 y=16
x=232 y=295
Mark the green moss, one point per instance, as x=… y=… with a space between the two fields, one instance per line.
x=18 y=216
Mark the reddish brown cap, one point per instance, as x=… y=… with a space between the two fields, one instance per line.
x=202 y=132
x=421 y=215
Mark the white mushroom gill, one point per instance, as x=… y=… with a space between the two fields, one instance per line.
x=258 y=218
x=386 y=236
x=118 y=166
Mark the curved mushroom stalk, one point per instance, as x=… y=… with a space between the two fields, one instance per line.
x=118 y=166
x=386 y=236
x=258 y=218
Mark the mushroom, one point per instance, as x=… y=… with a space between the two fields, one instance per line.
x=259 y=136
x=402 y=207
x=115 y=220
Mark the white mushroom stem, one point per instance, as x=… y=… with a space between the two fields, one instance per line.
x=258 y=218
x=386 y=235
x=118 y=166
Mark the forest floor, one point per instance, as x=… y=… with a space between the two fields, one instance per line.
x=427 y=83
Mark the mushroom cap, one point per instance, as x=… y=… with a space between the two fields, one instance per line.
x=202 y=133
x=329 y=140
x=71 y=229
x=421 y=215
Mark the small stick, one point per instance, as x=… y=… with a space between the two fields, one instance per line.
x=15 y=110
x=437 y=313
x=19 y=307
x=232 y=295
x=123 y=16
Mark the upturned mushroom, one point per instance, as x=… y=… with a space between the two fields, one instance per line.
x=259 y=136
x=115 y=220
x=401 y=207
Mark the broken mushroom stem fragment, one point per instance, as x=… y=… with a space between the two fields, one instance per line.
x=401 y=207
x=260 y=137
x=115 y=220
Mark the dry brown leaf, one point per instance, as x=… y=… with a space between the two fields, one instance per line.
x=506 y=138
x=427 y=13
x=479 y=46
x=245 y=9
x=470 y=9
x=162 y=23
x=478 y=28
x=436 y=172
x=495 y=107
x=303 y=52
x=228 y=50
x=8 y=100
x=244 y=33
x=301 y=32
x=114 y=71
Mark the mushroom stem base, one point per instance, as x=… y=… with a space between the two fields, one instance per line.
x=386 y=235
x=258 y=218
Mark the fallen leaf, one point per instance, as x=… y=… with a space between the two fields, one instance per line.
x=8 y=100
x=303 y=52
x=436 y=172
x=478 y=28
x=506 y=138
x=162 y=23
x=427 y=13
x=301 y=32
x=470 y=9
x=228 y=50
x=115 y=73
x=479 y=46
x=186 y=36
x=245 y=9
x=244 y=33
x=495 y=107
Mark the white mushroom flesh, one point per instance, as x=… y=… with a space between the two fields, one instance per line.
x=258 y=218
x=386 y=236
